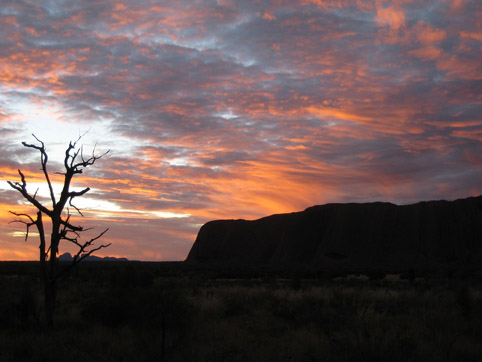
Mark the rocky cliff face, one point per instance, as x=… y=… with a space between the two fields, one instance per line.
x=358 y=235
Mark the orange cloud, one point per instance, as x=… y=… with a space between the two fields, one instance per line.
x=427 y=53
x=428 y=34
x=471 y=35
x=337 y=113
x=390 y=16
x=269 y=16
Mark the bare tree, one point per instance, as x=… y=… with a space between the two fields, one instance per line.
x=59 y=213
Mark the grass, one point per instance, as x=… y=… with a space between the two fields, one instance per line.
x=116 y=313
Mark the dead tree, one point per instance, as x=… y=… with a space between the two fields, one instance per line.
x=62 y=228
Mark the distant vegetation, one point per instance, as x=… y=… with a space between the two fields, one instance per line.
x=132 y=311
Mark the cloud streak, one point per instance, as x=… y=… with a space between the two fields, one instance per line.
x=224 y=109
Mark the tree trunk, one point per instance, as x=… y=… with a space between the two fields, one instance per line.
x=51 y=277
x=49 y=285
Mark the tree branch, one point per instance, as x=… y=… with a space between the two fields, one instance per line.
x=22 y=188
x=86 y=162
x=73 y=194
x=27 y=224
x=43 y=160
x=71 y=227
x=83 y=253
x=75 y=207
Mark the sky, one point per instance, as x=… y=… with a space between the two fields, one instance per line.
x=236 y=109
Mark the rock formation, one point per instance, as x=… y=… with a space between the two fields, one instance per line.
x=69 y=257
x=365 y=235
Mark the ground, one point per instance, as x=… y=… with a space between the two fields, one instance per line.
x=110 y=311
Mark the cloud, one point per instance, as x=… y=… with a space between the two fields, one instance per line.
x=242 y=109
x=390 y=16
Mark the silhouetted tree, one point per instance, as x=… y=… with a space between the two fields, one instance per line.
x=61 y=227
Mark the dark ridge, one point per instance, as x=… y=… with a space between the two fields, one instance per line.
x=356 y=235
x=69 y=257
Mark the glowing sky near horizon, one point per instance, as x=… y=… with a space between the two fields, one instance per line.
x=238 y=109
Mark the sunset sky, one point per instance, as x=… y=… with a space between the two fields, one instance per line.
x=237 y=109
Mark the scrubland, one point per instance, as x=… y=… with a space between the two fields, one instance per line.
x=166 y=312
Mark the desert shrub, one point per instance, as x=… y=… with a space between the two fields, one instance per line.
x=376 y=275
x=7 y=313
x=28 y=308
x=236 y=303
x=136 y=306
x=464 y=301
x=296 y=282
x=303 y=308
x=19 y=307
